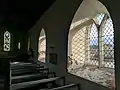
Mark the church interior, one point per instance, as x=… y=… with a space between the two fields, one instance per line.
x=59 y=45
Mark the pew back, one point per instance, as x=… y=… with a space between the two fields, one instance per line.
x=29 y=71
x=34 y=83
x=68 y=87
x=31 y=77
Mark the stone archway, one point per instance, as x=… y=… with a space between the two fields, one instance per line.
x=89 y=53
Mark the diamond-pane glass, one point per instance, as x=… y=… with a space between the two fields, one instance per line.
x=7 y=40
x=98 y=19
x=108 y=40
x=91 y=51
x=94 y=57
x=78 y=46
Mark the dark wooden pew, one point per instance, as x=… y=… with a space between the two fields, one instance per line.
x=2 y=83
x=20 y=65
x=38 y=84
x=26 y=68
x=31 y=77
x=28 y=71
x=66 y=87
x=2 y=86
x=4 y=70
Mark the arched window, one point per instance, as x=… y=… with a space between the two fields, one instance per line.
x=91 y=47
x=108 y=43
x=28 y=43
x=42 y=46
x=7 y=41
x=19 y=45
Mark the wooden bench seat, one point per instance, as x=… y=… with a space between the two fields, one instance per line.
x=23 y=78
x=28 y=67
x=1 y=86
x=28 y=71
x=2 y=80
x=31 y=77
x=19 y=63
x=66 y=87
x=24 y=65
x=34 y=83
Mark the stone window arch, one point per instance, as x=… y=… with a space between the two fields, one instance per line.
x=91 y=50
x=42 y=46
x=7 y=41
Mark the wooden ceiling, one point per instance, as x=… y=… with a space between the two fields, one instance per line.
x=22 y=14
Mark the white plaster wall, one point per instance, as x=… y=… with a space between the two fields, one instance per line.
x=89 y=9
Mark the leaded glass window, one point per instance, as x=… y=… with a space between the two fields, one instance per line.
x=91 y=53
x=7 y=40
x=93 y=43
x=42 y=46
x=18 y=45
x=108 y=43
x=98 y=19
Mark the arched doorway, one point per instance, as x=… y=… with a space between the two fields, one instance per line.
x=91 y=44
x=42 y=46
